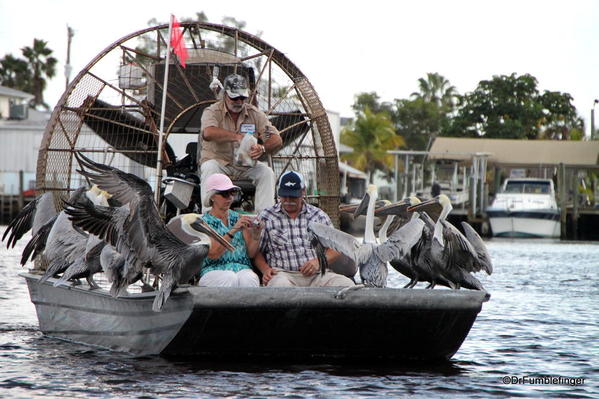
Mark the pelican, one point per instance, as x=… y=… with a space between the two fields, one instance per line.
x=66 y=245
x=118 y=272
x=137 y=232
x=417 y=265
x=32 y=217
x=456 y=255
x=370 y=257
x=85 y=266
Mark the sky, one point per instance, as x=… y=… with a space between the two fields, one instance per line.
x=349 y=47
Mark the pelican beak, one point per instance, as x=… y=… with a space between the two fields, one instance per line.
x=350 y=208
x=363 y=206
x=398 y=208
x=201 y=226
x=423 y=205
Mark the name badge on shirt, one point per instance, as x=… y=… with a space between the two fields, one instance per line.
x=248 y=128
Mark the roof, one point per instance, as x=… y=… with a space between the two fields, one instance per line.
x=517 y=152
x=8 y=92
x=352 y=172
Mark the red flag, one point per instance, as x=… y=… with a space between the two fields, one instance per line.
x=177 y=42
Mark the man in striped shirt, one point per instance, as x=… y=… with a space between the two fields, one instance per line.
x=286 y=257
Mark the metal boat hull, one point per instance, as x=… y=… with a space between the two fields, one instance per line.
x=93 y=317
x=269 y=323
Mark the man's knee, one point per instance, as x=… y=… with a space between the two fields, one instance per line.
x=280 y=280
x=331 y=279
x=208 y=168
x=263 y=172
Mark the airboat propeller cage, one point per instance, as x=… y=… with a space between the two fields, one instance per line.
x=110 y=111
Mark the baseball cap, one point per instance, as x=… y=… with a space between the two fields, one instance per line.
x=291 y=184
x=236 y=86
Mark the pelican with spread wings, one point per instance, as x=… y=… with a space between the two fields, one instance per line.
x=138 y=232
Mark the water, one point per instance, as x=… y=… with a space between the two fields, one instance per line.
x=542 y=320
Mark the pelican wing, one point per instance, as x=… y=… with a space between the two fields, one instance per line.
x=124 y=187
x=342 y=242
x=76 y=270
x=34 y=214
x=98 y=220
x=479 y=246
x=457 y=251
x=37 y=244
x=401 y=242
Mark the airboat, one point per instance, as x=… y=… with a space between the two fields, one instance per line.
x=110 y=113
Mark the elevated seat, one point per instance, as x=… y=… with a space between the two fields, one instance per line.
x=190 y=163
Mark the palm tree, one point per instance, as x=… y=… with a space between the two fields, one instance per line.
x=435 y=88
x=14 y=72
x=41 y=65
x=370 y=137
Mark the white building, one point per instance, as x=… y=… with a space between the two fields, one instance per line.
x=21 y=131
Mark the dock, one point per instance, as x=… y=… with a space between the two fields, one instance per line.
x=472 y=179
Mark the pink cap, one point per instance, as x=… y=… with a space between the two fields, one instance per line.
x=219 y=182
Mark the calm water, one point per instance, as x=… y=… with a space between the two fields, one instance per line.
x=542 y=320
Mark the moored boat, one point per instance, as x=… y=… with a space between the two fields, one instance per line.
x=525 y=207
x=271 y=323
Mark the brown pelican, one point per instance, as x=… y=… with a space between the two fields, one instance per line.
x=119 y=273
x=455 y=255
x=85 y=266
x=137 y=231
x=32 y=217
x=417 y=265
x=370 y=257
x=66 y=245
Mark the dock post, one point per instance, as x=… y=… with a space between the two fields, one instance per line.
x=575 y=202
x=561 y=184
x=21 y=191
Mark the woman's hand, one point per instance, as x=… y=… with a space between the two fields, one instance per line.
x=244 y=222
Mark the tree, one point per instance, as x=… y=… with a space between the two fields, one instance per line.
x=31 y=73
x=371 y=101
x=370 y=137
x=510 y=107
x=41 y=66
x=436 y=89
x=14 y=72
x=418 y=121
x=421 y=119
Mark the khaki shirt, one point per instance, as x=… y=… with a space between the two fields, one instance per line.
x=217 y=115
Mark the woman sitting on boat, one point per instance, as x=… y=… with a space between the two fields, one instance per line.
x=224 y=268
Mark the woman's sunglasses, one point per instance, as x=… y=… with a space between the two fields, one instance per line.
x=227 y=194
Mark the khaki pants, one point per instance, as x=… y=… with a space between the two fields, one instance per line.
x=296 y=279
x=261 y=174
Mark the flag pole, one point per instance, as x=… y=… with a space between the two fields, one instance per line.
x=162 y=110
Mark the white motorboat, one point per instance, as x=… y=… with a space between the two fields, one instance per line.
x=525 y=207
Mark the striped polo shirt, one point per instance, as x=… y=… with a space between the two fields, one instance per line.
x=285 y=242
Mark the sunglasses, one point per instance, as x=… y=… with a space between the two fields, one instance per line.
x=240 y=98
x=227 y=194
